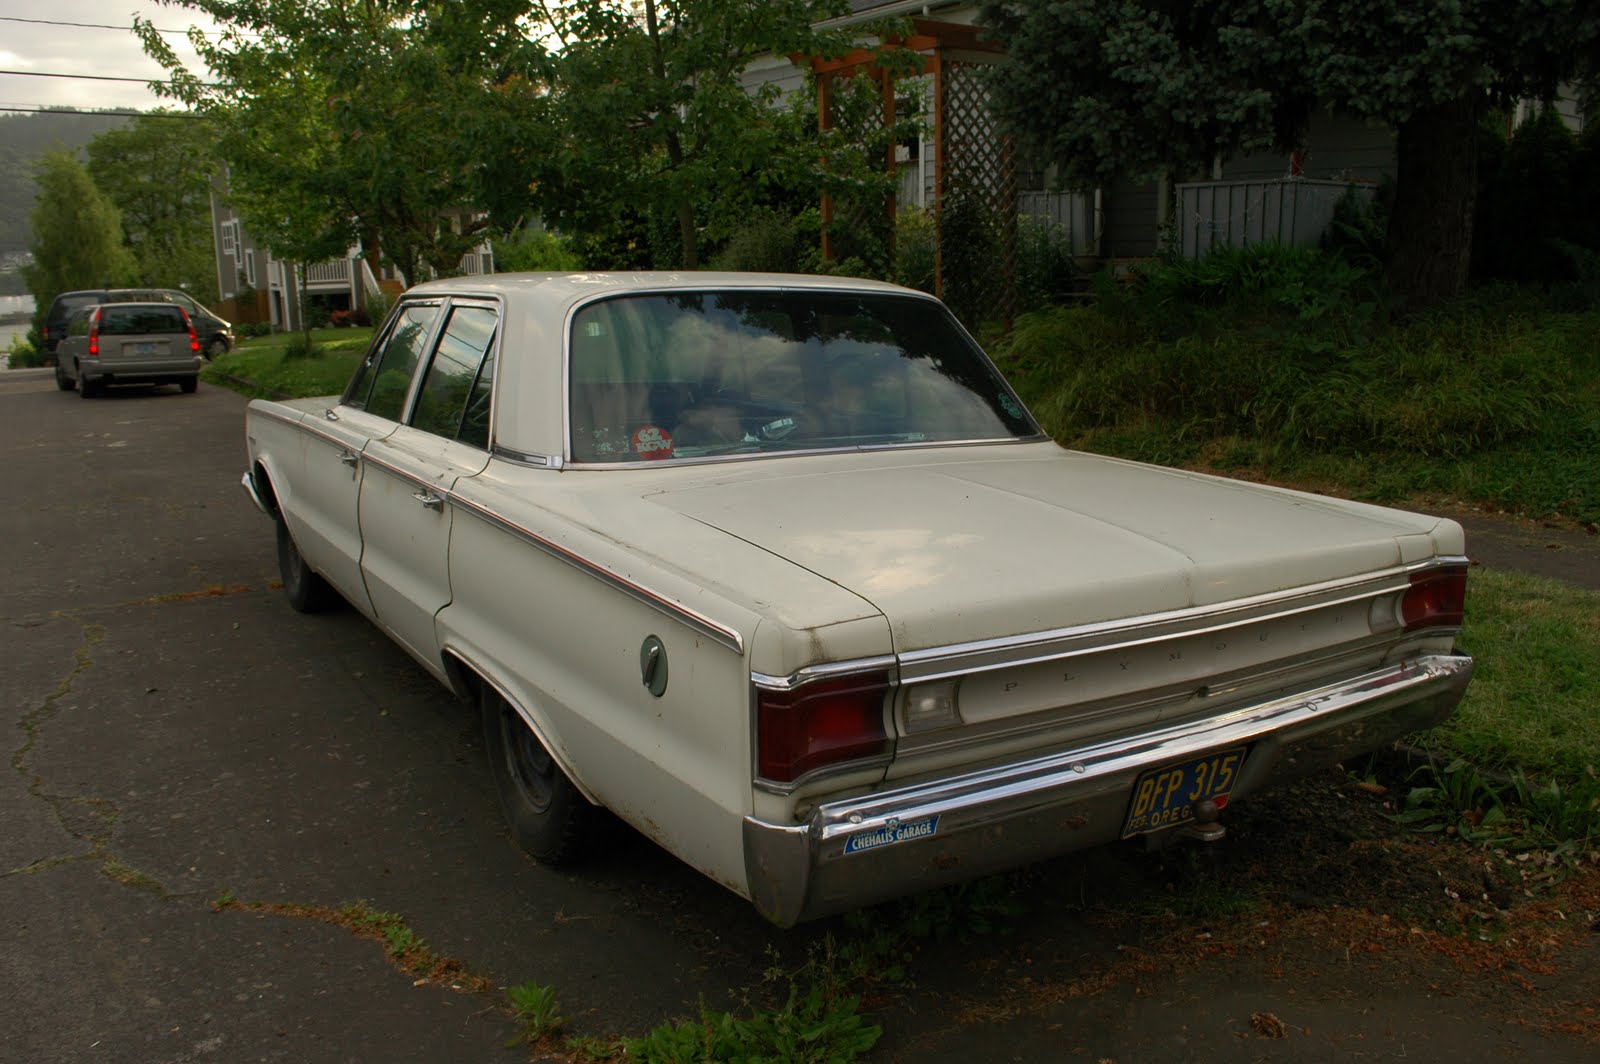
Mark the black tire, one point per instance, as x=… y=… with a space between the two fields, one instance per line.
x=546 y=814
x=87 y=389
x=187 y=385
x=62 y=380
x=216 y=348
x=305 y=590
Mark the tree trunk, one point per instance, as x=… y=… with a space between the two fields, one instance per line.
x=1436 y=190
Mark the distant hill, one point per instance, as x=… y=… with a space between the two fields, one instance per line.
x=25 y=137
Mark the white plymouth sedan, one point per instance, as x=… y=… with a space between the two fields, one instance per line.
x=779 y=570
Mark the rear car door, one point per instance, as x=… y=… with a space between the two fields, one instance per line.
x=407 y=477
x=323 y=509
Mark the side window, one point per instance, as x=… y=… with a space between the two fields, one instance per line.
x=381 y=383
x=454 y=402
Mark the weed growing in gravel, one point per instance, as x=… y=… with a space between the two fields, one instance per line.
x=535 y=1006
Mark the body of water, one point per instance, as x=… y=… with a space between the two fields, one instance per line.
x=15 y=314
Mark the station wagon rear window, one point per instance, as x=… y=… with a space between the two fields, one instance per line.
x=134 y=321
x=705 y=374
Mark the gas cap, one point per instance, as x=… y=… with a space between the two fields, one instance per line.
x=653 y=665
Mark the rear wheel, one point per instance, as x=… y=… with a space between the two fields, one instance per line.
x=188 y=384
x=305 y=590
x=546 y=814
x=87 y=389
x=63 y=381
x=217 y=347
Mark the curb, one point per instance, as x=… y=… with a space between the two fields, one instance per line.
x=250 y=385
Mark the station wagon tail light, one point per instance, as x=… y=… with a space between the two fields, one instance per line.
x=1437 y=598
x=194 y=338
x=94 y=335
x=821 y=723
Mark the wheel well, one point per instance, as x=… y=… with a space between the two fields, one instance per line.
x=463 y=678
x=263 y=485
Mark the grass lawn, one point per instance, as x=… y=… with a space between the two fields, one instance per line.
x=275 y=364
x=1534 y=700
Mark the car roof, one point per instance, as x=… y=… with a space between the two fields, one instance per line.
x=576 y=287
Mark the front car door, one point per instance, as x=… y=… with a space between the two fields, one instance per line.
x=408 y=475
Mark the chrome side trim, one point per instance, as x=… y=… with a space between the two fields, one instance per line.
x=822 y=672
x=248 y=482
x=939 y=663
x=713 y=630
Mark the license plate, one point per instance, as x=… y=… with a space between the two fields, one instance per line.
x=1165 y=797
x=144 y=349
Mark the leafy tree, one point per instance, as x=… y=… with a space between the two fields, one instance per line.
x=1147 y=87
x=353 y=118
x=157 y=171
x=77 y=240
x=652 y=113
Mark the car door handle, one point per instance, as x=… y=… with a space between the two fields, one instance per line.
x=329 y=415
x=428 y=499
x=349 y=459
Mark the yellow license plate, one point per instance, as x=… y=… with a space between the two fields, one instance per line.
x=1165 y=797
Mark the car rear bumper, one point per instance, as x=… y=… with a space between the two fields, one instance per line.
x=138 y=370
x=860 y=850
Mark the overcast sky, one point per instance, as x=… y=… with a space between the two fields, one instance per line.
x=38 y=48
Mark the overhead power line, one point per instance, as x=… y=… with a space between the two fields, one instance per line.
x=100 y=114
x=104 y=26
x=95 y=77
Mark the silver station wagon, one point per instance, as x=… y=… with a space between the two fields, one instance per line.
x=128 y=343
x=780 y=571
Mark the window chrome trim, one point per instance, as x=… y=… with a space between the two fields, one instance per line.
x=876 y=448
x=525 y=458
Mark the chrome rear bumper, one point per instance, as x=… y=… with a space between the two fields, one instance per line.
x=861 y=850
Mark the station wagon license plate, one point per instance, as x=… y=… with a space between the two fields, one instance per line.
x=145 y=349
x=1165 y=797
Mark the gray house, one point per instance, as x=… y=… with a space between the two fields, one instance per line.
x=254 y=286
x=1288 y=198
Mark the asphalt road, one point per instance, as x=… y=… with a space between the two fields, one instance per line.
x=177 y=735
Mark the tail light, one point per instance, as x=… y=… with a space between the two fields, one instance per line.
x=194 y=338
x=821 y=723
x=94 y=334
x=1436 y=598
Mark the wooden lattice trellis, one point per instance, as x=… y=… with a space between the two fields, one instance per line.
x=977 y=208
x=975 y=167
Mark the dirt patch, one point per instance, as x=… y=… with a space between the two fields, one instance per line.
x=1317 y=910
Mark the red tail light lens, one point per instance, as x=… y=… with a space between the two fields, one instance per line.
x=1436 y=598
x=94 y=335
x=825 y=722
x=194 y=339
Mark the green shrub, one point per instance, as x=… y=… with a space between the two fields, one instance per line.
x=764 y=244
x=23 y=355
x=531 y=249
x=916 y=249
x=1046 y=268
x=1281 y=360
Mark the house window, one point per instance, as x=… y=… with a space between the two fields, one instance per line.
x=229 y=244
x=250 y=269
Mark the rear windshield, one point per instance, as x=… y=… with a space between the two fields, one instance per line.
x=65 y=305
x=691 y=375
x=128 y=321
